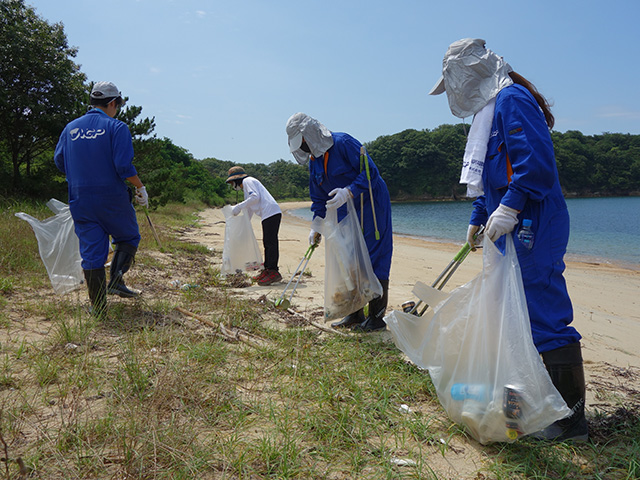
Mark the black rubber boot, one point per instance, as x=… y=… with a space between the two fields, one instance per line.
x=377 y=308
x=120 y=264
x=565 y=368
x=96 y=284
x=355 y=318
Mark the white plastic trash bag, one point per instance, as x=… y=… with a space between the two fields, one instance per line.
x=59 y=247
x=478 y=348
x=349 y=281
x=240 y=251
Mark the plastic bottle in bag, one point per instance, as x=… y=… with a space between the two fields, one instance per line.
x=525 y=234
x=466 y=391
x=474 y=398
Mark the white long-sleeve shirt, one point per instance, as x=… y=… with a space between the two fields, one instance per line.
x=258 y=200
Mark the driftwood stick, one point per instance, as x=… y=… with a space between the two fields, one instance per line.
x=236 y=334
x=228 y=333
x=197 y=317
x=317 y=325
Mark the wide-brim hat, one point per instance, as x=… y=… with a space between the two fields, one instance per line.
x=463 y=47
x=295 y=142
x=472 y=75
x=236 y=173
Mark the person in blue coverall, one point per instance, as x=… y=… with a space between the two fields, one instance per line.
x=95 y=152
x=334 y=175
x=510 y=166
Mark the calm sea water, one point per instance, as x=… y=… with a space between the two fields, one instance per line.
x=602 y=229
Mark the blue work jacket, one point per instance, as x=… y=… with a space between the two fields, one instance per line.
x=520 y=172
x=95 y=152
x=340 y=167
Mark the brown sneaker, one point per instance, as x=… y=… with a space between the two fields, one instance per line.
x=270 y=277
x=258 y=277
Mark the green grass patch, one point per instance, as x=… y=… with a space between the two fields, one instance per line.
x=153 y=393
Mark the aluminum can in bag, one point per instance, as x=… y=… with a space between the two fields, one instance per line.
x=408 y=306
x=513 y=430
x=512 y=409
x=512 y=402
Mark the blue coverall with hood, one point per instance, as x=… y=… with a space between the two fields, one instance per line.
x=520 y=172
x=509 y=165
x=95 y=152
x=342 y=169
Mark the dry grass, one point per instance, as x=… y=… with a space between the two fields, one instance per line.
x=200 y=382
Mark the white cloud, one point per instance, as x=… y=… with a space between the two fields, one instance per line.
x=616 y=111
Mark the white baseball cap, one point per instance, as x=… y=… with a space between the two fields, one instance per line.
x=105 y=90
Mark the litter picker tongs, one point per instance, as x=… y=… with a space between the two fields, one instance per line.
x=364 y=161
x=444 y=277
x=284 y=303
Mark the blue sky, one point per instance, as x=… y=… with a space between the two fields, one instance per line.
x=222 y=78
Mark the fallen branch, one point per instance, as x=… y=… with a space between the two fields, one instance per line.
x=317 y=325
x=229 y=333
x=197 y=317
x=236 y=334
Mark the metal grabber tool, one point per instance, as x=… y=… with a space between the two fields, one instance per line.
x=444 y=277
x=153 y=229
x=364 y=161
x=284 y=303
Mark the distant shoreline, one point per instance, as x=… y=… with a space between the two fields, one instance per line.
x=288 y=207
x=467 y=199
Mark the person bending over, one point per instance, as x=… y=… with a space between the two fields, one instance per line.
x=258 y=200
x=334 y=175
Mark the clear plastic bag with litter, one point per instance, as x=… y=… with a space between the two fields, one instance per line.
x=349 y=280
x=58 y=246
x=240 y=251
x=477 y=345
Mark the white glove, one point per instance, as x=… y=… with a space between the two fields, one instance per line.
x=340 y=196
x=502 y=221
x=142 y=198
x=471 y=231
x=314 y=237
x=235 y=210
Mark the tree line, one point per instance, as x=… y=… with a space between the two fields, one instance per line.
x=424 y=164
x=42 y=89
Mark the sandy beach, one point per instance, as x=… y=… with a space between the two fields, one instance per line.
x=605 y=297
